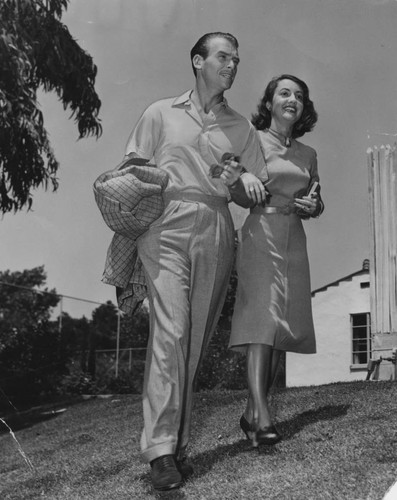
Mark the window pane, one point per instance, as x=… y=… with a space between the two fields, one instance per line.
x=360 y=332
x=360 y=358
x=361 y=339
x=360 y=346
x=359 y=319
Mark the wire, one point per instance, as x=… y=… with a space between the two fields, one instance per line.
x=50 y=293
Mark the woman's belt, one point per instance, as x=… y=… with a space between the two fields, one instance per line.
x=285 y=210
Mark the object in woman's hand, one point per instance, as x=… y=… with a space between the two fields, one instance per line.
x=313 y=189
x=310 y=191
x=268 y=197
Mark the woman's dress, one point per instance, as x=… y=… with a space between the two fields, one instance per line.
x=273 y=298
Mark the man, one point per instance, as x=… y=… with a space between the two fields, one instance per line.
x=187 y=253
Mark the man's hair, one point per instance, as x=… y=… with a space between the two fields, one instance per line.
x=263 y=117
x=201 y=47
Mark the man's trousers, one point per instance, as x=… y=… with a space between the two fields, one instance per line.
x=187 y=255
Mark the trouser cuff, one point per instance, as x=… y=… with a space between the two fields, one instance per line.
x=158 y=451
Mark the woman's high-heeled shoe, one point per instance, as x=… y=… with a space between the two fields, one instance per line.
x=247 y=428
x=267 y=435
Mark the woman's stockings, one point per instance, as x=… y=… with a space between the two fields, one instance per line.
x=262 y=364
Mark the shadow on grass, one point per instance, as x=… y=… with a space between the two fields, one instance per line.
x=294 y=425
x=174 y=494
x=19 y=420
x=206 y=460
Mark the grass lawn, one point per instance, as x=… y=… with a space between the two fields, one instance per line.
x=339 y=443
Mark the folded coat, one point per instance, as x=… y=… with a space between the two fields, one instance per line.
x=129 y=200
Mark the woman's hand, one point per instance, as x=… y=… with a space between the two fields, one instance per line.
x=308 y=205
x=254 y=188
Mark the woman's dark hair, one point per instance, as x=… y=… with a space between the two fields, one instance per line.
x=262 y=119
x=201 y=46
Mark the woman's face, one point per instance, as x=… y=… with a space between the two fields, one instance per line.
x=287 y=105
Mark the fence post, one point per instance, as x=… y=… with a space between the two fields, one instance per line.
x=382 y=174
x=118 y=343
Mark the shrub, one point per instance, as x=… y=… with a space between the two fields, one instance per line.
x=221 y=368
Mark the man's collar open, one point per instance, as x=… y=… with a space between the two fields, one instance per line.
x=185 y=99
x=182 y=99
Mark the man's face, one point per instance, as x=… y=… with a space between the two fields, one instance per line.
x=219 y=68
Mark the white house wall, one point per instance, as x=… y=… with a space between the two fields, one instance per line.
x=332 y=308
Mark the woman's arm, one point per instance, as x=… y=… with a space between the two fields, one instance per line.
x=239 y=195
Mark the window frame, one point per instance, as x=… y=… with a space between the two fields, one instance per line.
x=360 y=340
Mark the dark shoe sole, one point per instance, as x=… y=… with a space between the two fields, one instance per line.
x=168 y=487
x=267 y=436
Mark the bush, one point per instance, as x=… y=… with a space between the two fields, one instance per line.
x=128 y=381
x=221 y=368
x=77 y=384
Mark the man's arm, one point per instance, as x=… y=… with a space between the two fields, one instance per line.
x=246 y=194
x=131 y=159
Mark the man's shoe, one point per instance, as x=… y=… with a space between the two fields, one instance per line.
x=165 y=474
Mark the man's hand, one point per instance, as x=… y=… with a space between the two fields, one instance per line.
x=132 y=159
x=228 y=170
x=231 y=172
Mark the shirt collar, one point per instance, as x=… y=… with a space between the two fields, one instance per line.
x=185 y=99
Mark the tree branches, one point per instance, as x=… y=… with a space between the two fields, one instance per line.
x=36 y=49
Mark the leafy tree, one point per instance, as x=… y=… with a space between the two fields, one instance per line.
x=101 y=334
x=31 y=357
x=37 y=50
x=75 y=335
x=104 y=323
x=134 y=331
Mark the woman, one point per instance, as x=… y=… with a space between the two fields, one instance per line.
x=273 y=311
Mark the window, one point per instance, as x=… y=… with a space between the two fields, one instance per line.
x=361 y=338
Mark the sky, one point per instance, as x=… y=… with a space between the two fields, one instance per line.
x=345 y=50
